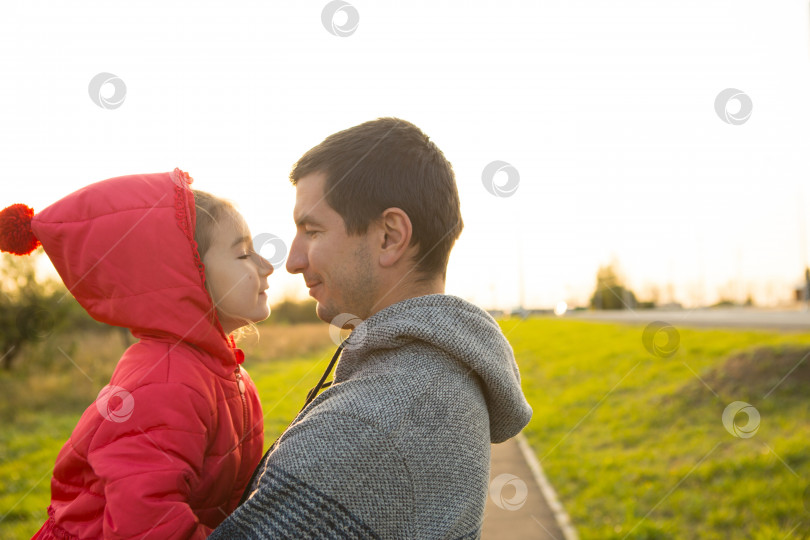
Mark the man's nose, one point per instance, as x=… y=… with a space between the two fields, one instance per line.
x=297 y=259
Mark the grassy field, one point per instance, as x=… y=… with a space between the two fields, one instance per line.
x=634 y=443
x=44 y=396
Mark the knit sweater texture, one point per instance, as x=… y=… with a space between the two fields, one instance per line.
x=399 y=445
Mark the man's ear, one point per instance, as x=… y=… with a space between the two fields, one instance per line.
x=396 y=229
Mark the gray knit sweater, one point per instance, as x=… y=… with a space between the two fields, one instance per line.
x=399 y=445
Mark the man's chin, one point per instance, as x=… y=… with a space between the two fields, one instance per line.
x=333 y=315
x=324 y=313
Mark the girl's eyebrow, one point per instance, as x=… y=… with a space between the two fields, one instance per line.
x=241 y=240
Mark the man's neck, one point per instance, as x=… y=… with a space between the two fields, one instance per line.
x=411 y=290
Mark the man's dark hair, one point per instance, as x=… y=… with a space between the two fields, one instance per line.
x=387 y=163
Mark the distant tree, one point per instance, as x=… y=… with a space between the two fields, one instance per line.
x=807 y=285
x=32 y=309
x=24 y=316
x=290 y=311
x=610 y=293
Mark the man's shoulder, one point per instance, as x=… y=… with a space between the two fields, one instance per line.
x=414 y=409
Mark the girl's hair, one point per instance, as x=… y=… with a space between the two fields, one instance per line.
x=211 y=211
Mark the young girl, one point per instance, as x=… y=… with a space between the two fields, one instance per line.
x=170 y=444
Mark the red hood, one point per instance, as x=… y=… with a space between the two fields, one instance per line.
x=125 y=249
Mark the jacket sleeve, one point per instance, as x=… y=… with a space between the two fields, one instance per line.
x=148 y=453
x=330 y=476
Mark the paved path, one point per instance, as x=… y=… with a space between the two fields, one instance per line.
x=528 y=505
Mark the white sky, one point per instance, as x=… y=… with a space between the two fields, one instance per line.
x=606 y=109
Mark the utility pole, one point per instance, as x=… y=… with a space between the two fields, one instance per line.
x=803 y=250
x=802 y=236
x=521 y=277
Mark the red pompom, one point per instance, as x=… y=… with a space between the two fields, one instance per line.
x=16 y=235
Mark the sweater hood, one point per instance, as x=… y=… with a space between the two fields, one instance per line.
x=125 y=249
x=461 y=330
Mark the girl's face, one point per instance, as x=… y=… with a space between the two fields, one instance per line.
x=236 y=276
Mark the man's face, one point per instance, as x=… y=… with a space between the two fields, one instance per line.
x=338 y=269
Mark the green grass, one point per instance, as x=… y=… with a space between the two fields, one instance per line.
x=44 y=396
x=633 y=444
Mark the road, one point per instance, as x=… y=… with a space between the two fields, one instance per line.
x=784 y=320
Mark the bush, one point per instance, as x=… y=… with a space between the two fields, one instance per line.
x=289 y=311
x=31 y=308
x=610 y=293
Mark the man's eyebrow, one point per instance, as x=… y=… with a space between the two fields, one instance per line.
x=241 y=240
x=306 y=220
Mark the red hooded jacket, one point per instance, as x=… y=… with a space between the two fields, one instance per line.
x=168 y=447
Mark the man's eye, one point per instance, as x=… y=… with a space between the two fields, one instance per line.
x=311 y=233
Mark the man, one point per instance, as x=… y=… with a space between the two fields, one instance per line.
x=399 y=445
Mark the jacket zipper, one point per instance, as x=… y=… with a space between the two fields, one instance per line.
x=241 y=384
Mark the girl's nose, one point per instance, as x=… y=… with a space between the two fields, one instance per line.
x=266 y=267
